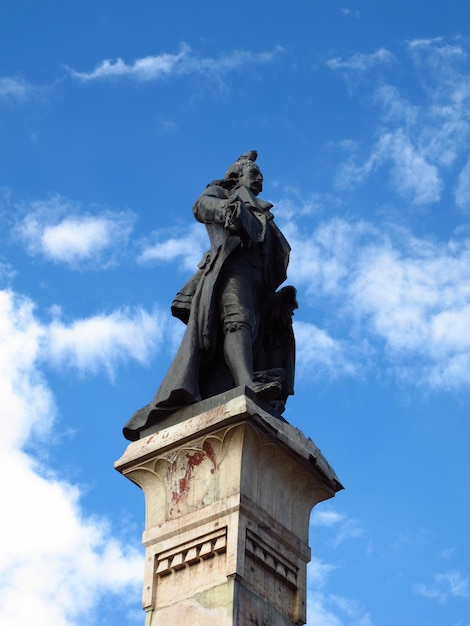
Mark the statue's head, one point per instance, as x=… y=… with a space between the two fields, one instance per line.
x=245 y=173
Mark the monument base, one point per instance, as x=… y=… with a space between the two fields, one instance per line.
x=228 y=492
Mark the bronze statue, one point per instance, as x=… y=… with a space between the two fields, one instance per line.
x=239 y=328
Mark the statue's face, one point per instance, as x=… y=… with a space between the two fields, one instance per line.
x=252 y=178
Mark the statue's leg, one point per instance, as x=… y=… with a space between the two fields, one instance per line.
x=239 y=319
x=240 y=308
x=238 y=353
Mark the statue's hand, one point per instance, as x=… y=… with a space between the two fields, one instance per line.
x=232 y=219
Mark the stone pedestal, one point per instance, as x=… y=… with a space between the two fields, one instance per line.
x=228 y=492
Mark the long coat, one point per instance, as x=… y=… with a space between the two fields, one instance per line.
x=197 y=305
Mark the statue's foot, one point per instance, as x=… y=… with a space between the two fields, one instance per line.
x=266 y=390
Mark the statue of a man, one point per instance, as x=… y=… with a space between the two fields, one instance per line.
x=239 y=328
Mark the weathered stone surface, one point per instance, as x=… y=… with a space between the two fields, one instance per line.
x=228 y=494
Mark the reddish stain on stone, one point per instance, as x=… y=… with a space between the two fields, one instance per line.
x=195 y=459
x=183 y=485
x=192 y=461
x=206 y=446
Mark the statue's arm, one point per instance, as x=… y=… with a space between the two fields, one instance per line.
x=212 y=206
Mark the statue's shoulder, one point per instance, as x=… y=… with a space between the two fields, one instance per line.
x=216 y=190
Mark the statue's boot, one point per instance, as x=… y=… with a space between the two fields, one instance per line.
x=266 y=390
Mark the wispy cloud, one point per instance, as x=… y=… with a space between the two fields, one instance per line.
x=423 y=42
x=360 y=62
x=295 y=204
x=60 y=231
x=462 y=192
x=349 y=12
x=326 y=517
x=71 y=562
x=416 y=300
x=326 y=609
x=445 y=586
x=344 y=528
x=15 y=88
x=320 y=355
x=186 y=247
x=319 y=611
x=181 y=63
x=421 y=141
x=319 y=259
x=412 y=175
x=408 y=297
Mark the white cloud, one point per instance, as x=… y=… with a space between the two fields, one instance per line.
x=76 y=239
x=168 y=126
x=451 y=584
x=326 y=517
x=422 y=141
x=58 y=231
x=412 y=176
x=353 y=611
x=424 y=43
x=437 y=53
x=186 y=248
x=325 y=609
x=344 y=528
x=350 y=12
x=462 y=193
x=447 y=553
x=348 y=529
x=7 y=272
x=320 y=259
x=296 y=204
x=102 y=342
x=408 y=297
x=26 y=404
x=318 y=572
x=318 y=612
x=147 y=68
x=361 y=62
x=15 y=88
x=66 y=562
x=395 y=107
x=318 y=354
x=182 y=63
x=416 y=299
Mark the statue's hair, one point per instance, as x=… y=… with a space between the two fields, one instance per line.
x=235 y=170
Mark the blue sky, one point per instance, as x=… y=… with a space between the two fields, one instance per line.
x=113 y=118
